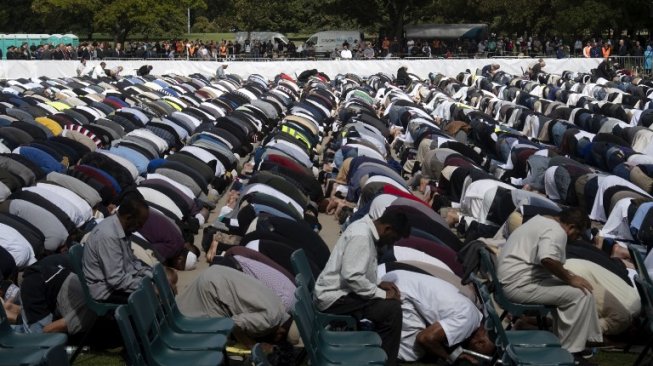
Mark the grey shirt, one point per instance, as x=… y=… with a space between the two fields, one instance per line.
x=221 y=291
x=352 y=266
x=109 y=263
x=520 y=260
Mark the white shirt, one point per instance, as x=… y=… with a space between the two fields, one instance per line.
x=598 y=211
x=345 y=54
x=617 y=226
x=97 y=72
x=160 y=199
x=403 y=254
x=17 y=246
x=79 y=211
x=161 y=144
x=426 y=300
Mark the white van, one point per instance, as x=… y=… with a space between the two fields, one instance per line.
x=327 y=41
x=262 y=37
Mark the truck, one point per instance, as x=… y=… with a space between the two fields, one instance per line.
x=323 y=43
x=262 y=37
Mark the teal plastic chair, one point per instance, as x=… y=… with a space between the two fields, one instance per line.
x=646 y=293
x=258 y=356
x=180 y=322
x=154 y=352
x=11 y=339
x=133 y=352
x=640 y=267
x=537 y=354
x=55 y=356
x=335 y=338
x=509 y=307
x=321 y=353
x=518 y=338
x=300 y=265
x=148 y=302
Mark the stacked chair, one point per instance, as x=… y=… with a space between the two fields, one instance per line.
x=323 y=346
x=156 y=333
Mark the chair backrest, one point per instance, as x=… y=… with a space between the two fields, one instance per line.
x=154 y=301
x=300 y=265
x=145 y=322
x=134 y=355
x=163 y=286
x=304 y=324
x=495 y=286
x=642 y=271
x=76 y=253
x=494 y=320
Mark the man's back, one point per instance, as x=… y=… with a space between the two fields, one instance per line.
x=520 y=260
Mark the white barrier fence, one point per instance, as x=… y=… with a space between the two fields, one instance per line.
x=13 y=69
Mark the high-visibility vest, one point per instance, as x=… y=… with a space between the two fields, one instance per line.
x=296 y=134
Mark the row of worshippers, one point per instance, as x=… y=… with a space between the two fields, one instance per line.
x=485 y=201
x=271 y=211
x=136 y=164
x=395 y=263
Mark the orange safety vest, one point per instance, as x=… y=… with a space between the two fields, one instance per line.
x=223 y=50
x=606 y=51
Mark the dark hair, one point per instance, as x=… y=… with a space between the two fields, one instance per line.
x=397 y=220
x=575 y=216
x=131 y=204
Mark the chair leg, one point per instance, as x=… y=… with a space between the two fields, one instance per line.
x=82 y=343
x=641 y=356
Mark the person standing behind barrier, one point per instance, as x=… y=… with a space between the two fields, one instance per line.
x=648 y=59
x=345 y=54
x=348 y=283
x=530 y=269
x=587 y=49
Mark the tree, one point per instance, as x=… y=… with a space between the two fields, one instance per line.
x=122 y=17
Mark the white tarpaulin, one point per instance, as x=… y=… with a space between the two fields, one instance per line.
x=14 y=69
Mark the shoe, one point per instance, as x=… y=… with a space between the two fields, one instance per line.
x=580 y=358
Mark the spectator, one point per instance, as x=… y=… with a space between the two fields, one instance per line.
x=648 y=59
x=345 y=54
x=111 y=269
x=623 y=48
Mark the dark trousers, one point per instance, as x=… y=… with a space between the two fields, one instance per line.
x=385 y=314
x=117 y=297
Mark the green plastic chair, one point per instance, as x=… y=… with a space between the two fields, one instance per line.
x=180 y=322
x=132 y=350
x=304 y=277
x=509 y=307
x=321 y=353
x=11 y=339
x=300 y=265
x=534 y=354
x=336 y=338
x=154 y=352
x=148 y=301
x=642 y=272
x=258 y=356
x=518 y=338
x=55 y=356
x=646 y=293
